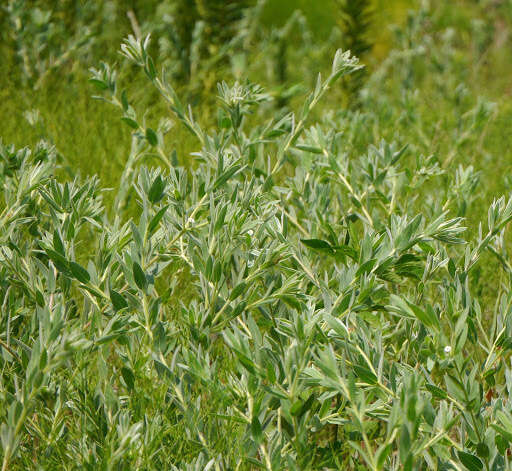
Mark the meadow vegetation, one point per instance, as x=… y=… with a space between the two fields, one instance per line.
x=240 y=235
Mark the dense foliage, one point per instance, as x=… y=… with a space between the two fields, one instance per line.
x=312 y=287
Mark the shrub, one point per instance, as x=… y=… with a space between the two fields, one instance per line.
x=285 y=301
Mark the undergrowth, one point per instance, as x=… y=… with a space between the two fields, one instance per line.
x=271 y=283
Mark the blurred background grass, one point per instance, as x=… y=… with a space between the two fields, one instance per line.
x=92 y=139
x=88 y=133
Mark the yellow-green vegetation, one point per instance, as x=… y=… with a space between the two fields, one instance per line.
x=226 y=244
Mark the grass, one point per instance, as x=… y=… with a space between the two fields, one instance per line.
x=68 y=111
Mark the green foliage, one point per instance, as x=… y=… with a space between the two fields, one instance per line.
x=200 y=34
x=272 y=282
x=220 y=17
x=45 y=36
x=355 y=21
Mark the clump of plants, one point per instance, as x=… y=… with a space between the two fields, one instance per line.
x=39 y=38
x=295 y=297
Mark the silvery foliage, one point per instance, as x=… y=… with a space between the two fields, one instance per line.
x=41 y=40
x=276 y=304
